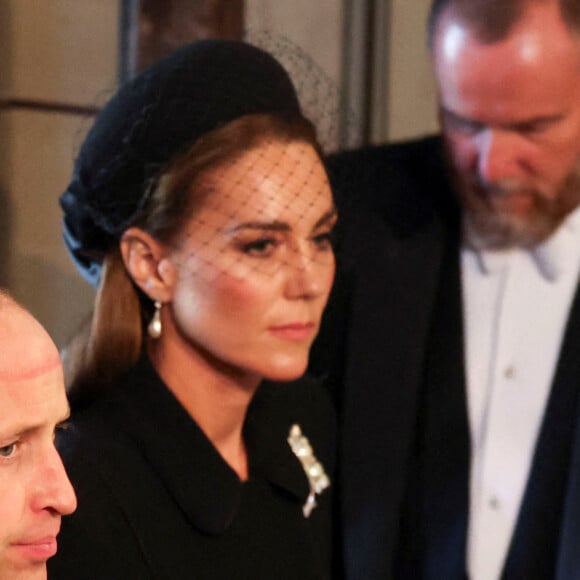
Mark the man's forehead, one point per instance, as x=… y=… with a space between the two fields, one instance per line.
x=31 y=404
x=28 y=366
x=26 y=350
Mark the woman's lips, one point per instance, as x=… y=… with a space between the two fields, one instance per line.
x=297 y=331
x=38 y=550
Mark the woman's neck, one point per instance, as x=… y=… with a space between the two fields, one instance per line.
x=214 y=396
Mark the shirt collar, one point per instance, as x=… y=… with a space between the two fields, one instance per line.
x=550 y=257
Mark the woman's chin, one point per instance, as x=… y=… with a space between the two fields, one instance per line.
x=287 y=370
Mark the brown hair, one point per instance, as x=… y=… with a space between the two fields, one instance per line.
x=112 y=340
x=492 y=20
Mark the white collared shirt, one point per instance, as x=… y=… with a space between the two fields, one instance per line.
x=516 y=304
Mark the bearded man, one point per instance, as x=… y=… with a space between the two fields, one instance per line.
x=453 y=336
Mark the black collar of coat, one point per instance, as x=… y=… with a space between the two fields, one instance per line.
x=208 y=492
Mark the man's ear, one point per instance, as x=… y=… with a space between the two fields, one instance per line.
x=147 y=263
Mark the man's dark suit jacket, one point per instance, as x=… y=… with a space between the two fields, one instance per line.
x=397 y=214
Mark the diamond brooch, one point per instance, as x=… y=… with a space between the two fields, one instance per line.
x=314 y=470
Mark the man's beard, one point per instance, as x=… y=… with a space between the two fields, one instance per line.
x=494 y=228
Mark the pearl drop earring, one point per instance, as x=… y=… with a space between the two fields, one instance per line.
x=155 y=328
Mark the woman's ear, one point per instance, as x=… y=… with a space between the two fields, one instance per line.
x=147 y=264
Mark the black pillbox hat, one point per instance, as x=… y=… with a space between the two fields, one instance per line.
x=151 y=119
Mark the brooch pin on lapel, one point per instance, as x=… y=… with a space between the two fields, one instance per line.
x=317 y=478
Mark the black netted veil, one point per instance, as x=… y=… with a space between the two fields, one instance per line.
x=149 y=121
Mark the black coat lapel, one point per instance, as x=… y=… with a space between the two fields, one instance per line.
x=394 y=204
x=568 y=371
x=440 y=501
x=387 y=335
x=568 y=564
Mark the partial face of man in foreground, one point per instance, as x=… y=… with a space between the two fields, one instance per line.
x=510 y=112
x=34 y=489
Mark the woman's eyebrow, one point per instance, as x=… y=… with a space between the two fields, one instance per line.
x=326 y=217
x=276 y=226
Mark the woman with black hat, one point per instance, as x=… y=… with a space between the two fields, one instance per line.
x=200 y=208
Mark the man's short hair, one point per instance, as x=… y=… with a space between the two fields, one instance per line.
x=492 y=20
x=6 y=299
x=8 y=302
